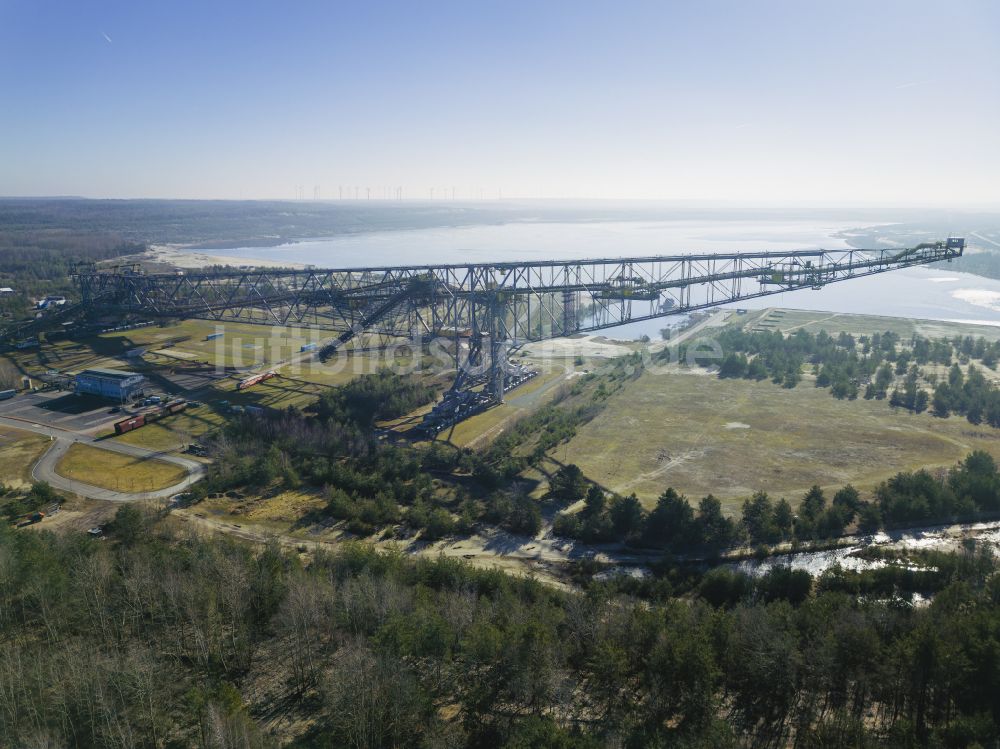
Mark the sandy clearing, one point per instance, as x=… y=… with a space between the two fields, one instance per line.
x=596 y=347
x=185 y=258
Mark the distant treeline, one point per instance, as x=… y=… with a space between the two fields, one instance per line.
x=881 y=364
x=232 y=223
x=36 y=263
x=969 y=490
x=969 y=394
x=981 y=263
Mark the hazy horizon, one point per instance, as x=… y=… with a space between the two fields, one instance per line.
x=782 y=103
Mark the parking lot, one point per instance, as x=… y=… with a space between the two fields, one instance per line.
x=63 y=410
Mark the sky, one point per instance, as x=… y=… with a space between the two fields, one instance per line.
x=845 y=102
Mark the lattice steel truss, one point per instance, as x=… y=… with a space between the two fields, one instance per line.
x=490 y=306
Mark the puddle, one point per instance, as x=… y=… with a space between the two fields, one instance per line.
x=637 y=573
x=939 y=538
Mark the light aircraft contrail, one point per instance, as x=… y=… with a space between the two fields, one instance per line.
x=911 y=84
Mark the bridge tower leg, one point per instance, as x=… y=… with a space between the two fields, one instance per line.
x=569 y=312
x=569 y=302
x=497 y=382
x=486 y=361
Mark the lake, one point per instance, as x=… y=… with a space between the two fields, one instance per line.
x=920 y=292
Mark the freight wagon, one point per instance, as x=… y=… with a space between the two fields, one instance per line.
x=255 y=379
x=127 y=425
x=165 y=410
x=156 y=415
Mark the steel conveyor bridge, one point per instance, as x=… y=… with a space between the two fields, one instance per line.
x=483 y=308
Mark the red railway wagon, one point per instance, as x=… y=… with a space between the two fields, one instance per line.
x=165 y=410
x=156 y=415
x=127 y=425
x=134 y=422
x=255 y=379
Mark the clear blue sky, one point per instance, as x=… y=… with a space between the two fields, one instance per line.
x=894 y=102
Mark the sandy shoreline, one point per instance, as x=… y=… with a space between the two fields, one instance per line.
x=187 y=259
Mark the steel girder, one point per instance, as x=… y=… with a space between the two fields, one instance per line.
x=505 y=303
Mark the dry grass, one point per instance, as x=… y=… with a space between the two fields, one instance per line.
x=481 y=428
x=703 y=435
x=110 y=470
x=288 y=507
x=19 y=451
x=174 y=432
x=78 y=515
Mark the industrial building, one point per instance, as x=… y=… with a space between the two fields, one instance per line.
x=110 y=383
x=51 y=301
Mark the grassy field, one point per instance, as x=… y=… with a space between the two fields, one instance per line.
x=701 y=435
x=286 y=507
x=178 y=359
x=18 y=453
x=240 y=346
x=180 y=343
x=174 y=432
x=111 y=470
x=475 y=431
x=662 y=430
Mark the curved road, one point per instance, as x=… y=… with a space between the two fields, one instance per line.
x=62 y=439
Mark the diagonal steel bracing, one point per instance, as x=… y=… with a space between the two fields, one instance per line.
x=484 y=308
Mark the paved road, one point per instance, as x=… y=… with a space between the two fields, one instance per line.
x=62 y=439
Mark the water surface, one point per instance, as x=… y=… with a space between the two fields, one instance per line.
x=920 y=292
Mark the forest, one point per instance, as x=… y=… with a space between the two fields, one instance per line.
x=37 y=262
x=236 y=223
x=156 y=637
x=885 y=367
x=968 y=491
x=984 y=263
